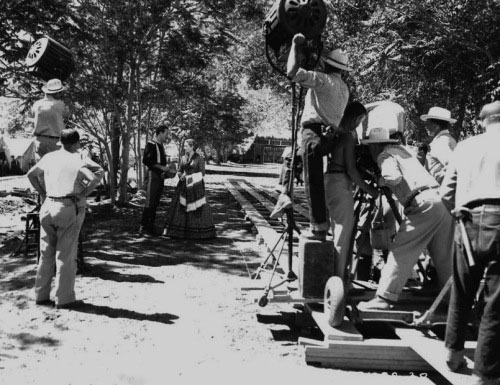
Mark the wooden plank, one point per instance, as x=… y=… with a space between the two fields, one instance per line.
x=375 y=354
x=265 y=202
x=434 y=352
x=263 y=228
x=388 y=315
x=303 y=341
x=346 y=331
x=291 y=297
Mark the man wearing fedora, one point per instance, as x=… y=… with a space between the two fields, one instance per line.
x=438 y=121
x=324 y=105
x=427 y=223
x=50 y=114
x=471 y=188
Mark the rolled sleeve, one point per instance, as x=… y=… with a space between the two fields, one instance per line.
x=308 y=79
x=449 y=185
x=389 y=169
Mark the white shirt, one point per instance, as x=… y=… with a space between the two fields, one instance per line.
x=326 y=97
x=473 y=172
x=65 y=173
x=439 y=154
x=402 y=172
x=49 y=116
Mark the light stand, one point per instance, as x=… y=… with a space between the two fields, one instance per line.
x=285 y=19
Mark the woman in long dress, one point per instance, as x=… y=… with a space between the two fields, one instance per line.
x=189 y=215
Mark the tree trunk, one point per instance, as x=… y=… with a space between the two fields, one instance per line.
x=115 y=148
x=138 y=155
x=123 y=188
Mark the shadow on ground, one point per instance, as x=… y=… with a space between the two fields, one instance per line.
x=112 y=236
x=106 y=273
x=164 y=318
x=291 y=328
x=27 y=340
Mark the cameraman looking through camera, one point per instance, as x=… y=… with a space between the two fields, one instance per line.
x=324 y=105
x=426 y=222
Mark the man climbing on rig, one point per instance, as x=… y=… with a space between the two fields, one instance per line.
x=324 y=105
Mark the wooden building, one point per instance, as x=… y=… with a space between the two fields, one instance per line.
x=265 y=149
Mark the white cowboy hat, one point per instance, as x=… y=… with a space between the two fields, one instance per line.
x=438 y=113
x=337 y=58
x=53 y=86
x=379 y=135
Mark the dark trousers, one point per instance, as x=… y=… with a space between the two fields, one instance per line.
x=314 y=146
x=483 y=229
x=154 y=190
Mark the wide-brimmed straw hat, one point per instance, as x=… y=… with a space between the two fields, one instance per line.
x=337 y=58
x=379 y=135
x=53 y=86
x=489 y=110
x=438 y=113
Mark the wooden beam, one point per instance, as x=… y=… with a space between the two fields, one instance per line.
x=346 y=331
x=263 y=228
x=434 y=352
x=373 y=354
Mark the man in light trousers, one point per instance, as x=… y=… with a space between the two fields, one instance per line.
x=427 y=223
x=63 y=179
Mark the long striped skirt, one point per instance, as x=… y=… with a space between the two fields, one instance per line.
x=197 y=224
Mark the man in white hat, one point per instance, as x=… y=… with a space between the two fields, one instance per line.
x=50 y=114
x=471 y=188
x=427 y=223
x=324 y=105
x=438 y=121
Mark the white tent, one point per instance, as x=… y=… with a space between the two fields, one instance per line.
x=20 y=149
x=385 y=114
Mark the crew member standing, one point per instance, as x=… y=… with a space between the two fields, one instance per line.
x=156 y=161
x=438 y=122
x=67 y=180
x=324 y=105
x=50 y=114
x=471 y=187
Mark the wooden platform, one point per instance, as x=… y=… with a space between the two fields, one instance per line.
x=350 y=347
x=408 y=350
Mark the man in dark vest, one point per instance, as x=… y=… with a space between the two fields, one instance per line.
x=156 y=161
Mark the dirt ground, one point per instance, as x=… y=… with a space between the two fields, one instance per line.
x=156 y=310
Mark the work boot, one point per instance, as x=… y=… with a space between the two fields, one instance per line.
x=284 y=202
x=377 y=303
x=455 y=359
x=314 y=235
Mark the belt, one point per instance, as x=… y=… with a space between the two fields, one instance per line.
x=70 y=197
x=482 y=202
x=335 y=172
x=47 y=136
x=414 y=194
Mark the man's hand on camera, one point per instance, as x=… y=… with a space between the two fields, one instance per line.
x=299 y=39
